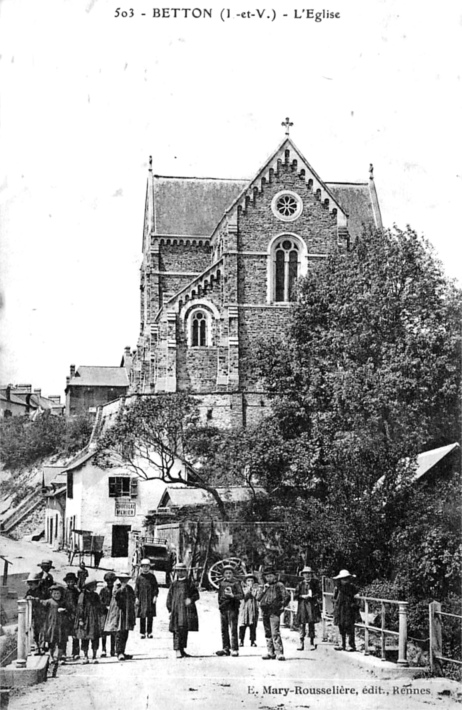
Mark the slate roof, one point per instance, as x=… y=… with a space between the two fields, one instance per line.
x=194 y=206
x=191 y=206
x=355 y=199
x=89 y=376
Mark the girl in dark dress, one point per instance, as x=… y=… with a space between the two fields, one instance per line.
x=72 y=600
x=181 y=603
x=88 y=619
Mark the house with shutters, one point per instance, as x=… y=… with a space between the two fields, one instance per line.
x=221 y=260
x=112 y=502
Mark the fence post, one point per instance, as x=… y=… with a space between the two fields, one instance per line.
x=436 y=635
x=402 y=650
x=323 y=613
x=382 y=625
x=22 y=658
x=366 y=630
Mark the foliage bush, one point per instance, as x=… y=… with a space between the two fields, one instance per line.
x=24 y=442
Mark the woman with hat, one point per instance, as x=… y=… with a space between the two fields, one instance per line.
x=121 y=615
x=248 y=612
x=346 y=608
x=181 y=603
x=72 y=600
x=146 y=593
x=307 y=595
x=105 y=597
x=87 y=620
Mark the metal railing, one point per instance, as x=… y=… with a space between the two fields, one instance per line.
x=25 y=631
x=367 y=626
x=436 y=635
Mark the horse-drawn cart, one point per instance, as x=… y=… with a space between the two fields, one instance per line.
x=84 y=543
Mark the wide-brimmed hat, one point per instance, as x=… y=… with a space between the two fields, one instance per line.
x=123 y=575
x=70 y=575
x=343 y=574
x=306 y=569
x=109 y=576
x=145 y=562
x=90 y=582
x=269 y=570
x=228 y=567
x=250 y=575
x=46 y=562
x=34 y=577
x=180 y=566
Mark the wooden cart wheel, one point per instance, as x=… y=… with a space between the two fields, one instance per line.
x=215 y=574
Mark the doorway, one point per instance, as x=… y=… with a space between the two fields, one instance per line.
x=120 y=540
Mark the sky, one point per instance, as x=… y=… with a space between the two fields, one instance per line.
x=86 y=98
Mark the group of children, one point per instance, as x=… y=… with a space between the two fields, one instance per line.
x=74 y=609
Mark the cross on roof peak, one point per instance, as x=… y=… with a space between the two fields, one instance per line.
x=288 y=125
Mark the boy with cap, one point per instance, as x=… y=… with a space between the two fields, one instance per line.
x=36 y=592
x=72 y=600
x=229 y=598
x=46 y=579
x=346 y=609
x=273 y=598
x=181 y=603
x=307 y=596
x=248 y=613
x=105 y=596
x=146 y=593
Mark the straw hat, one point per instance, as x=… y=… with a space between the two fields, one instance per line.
x=123 y=575
x=180 y=566
x=251 y=575
x=57 y=587
x=34 y=577
x=343 y=574
x=306 y=569
x=146 y=561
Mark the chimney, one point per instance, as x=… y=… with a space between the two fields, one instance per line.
x=72 y=370
x=8 y=393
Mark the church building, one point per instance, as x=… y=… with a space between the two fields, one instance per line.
x=220 y=262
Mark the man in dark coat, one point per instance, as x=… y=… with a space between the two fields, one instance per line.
x=181 y=603
x=307 y=595
x=146 y=593
x=229 y=599
x=273 y=598
x=55 y=628
x=346 y=609
x=121 y=615
x=46 y=579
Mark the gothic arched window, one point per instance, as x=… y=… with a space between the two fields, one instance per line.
x=198 y=329
x=287 y=261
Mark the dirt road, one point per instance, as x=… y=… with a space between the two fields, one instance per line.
x=156 y=680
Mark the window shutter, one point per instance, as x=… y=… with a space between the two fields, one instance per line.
x=70 y=484
x=112 y=487
x=133 y=487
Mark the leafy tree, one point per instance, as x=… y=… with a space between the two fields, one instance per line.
x=152 y=435
x=366 y=376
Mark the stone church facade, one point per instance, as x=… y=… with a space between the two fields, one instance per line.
x=220 y=260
